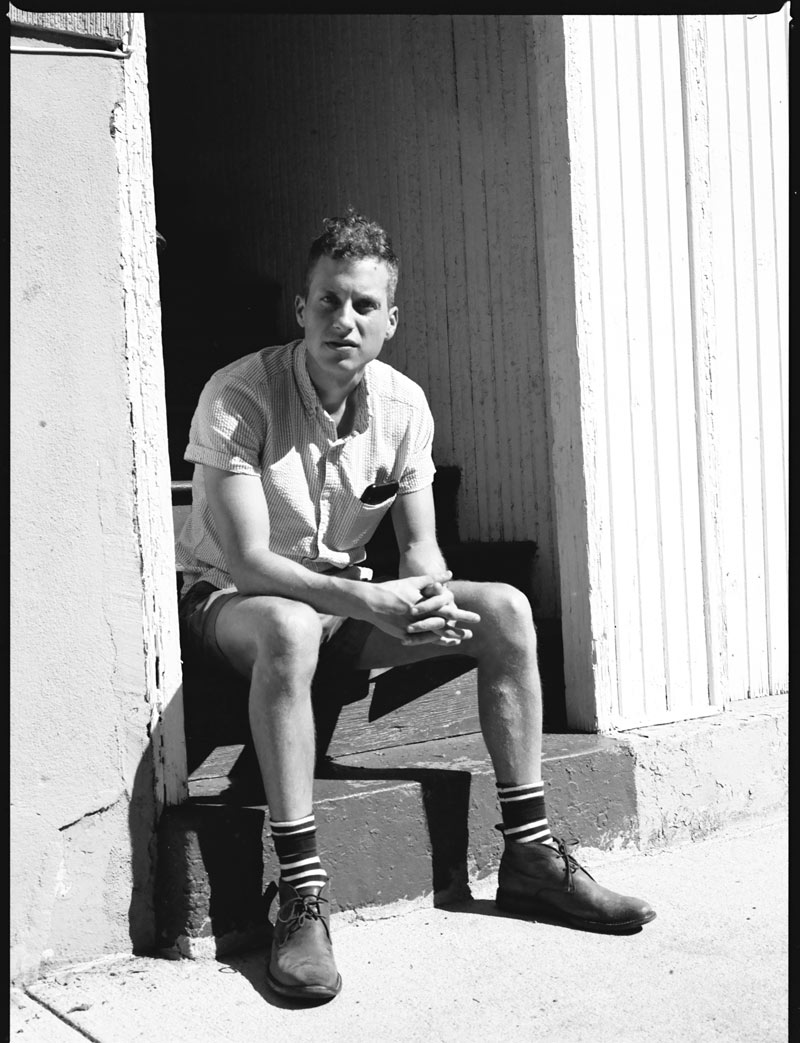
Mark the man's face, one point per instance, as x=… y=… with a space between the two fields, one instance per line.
x=346 y=316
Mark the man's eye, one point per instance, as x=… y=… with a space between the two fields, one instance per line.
x=364 y=306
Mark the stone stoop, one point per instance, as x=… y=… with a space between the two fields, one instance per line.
x=417 y=822
x=394 y=824
x=698 y=776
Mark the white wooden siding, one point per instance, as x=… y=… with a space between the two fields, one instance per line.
x=748 y=129
x=645 y=340
x=679 y=151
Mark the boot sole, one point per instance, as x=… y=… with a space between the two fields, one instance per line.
x=546 y=914
x=318 y=993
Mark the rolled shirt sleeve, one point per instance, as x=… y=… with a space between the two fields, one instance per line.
x=228 y=429
x=419 y=467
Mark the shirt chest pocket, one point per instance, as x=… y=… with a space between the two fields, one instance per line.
x=355 y=524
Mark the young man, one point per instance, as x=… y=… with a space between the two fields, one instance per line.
x=299 y=452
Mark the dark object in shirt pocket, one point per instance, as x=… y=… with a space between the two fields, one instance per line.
x=377 y=494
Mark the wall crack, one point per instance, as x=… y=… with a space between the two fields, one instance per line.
x=90 y=814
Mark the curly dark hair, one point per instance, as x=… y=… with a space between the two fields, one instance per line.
x=354 y=236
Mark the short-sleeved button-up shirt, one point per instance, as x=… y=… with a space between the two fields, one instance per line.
x=261 y=415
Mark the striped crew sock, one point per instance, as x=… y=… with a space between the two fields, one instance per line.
x=296 y=848
x=524 y=815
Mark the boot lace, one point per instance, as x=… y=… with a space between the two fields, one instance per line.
x=300 y=909
x=571 y=864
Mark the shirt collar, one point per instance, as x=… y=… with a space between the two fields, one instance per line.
x=310 y=399
x=308 y=393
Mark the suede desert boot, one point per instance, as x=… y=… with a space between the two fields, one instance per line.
x=548 y=884
x=301 y=963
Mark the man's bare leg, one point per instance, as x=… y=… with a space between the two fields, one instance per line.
x=509 y=687
x=275 y=641
x=541 y=880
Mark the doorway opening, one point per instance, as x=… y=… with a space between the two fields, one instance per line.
x=262 y=125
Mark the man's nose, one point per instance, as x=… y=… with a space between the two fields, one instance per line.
x=344 y=317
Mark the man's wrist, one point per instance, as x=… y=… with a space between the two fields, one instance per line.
x=425 y=563
x=342 y=596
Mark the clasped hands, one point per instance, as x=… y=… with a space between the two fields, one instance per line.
x=431 y=613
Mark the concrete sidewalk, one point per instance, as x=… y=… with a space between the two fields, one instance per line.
x=712 y=966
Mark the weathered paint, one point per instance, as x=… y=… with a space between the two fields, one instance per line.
x=145 y=374
x=86 y=25
x=747 y=77
x=83 y=680
x=670 y=458
x=567 y=255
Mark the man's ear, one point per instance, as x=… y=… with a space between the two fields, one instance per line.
x=391 y=325
x=299 y=310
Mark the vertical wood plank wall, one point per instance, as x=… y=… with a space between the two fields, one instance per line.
x=425 y=123
x=643 y=335
x=647 y=277
x=748 y=129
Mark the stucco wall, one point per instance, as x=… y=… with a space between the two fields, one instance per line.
x=82 y=789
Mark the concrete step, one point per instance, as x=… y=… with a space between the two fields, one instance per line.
x=394 y=823
x=416 y=821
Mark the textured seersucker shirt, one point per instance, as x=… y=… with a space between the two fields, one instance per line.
x=261 y=415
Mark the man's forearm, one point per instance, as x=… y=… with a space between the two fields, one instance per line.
x=393 y=606
x=422 y=559
x=264 y=572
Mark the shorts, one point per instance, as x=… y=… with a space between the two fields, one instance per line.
x=342 y=638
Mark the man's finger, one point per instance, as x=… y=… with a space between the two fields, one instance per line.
x=459 y=615
x=445 y=635
x=433 y=589
x=438 y=577
x=446 y=617
x=460 y=632
x=430 y=638
x=428 y=623
x=431 y=606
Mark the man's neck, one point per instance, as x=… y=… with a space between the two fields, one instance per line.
x=339 y=402
x=344 y=416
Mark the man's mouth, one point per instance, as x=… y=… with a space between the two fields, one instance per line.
x=341 y=344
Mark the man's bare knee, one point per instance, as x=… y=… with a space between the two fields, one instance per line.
x=505 y=613
x=510 y=603
x=286 y=630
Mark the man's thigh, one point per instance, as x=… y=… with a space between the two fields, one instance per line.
x=223 y=628
x=238 y=627
x=241 y=623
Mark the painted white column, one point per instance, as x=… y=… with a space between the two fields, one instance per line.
x=661 y=142
x=627 y=289
x=146 y=388
x=570 y=296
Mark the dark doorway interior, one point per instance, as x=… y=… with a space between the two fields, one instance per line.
x=242 y=144
x=215 y=308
